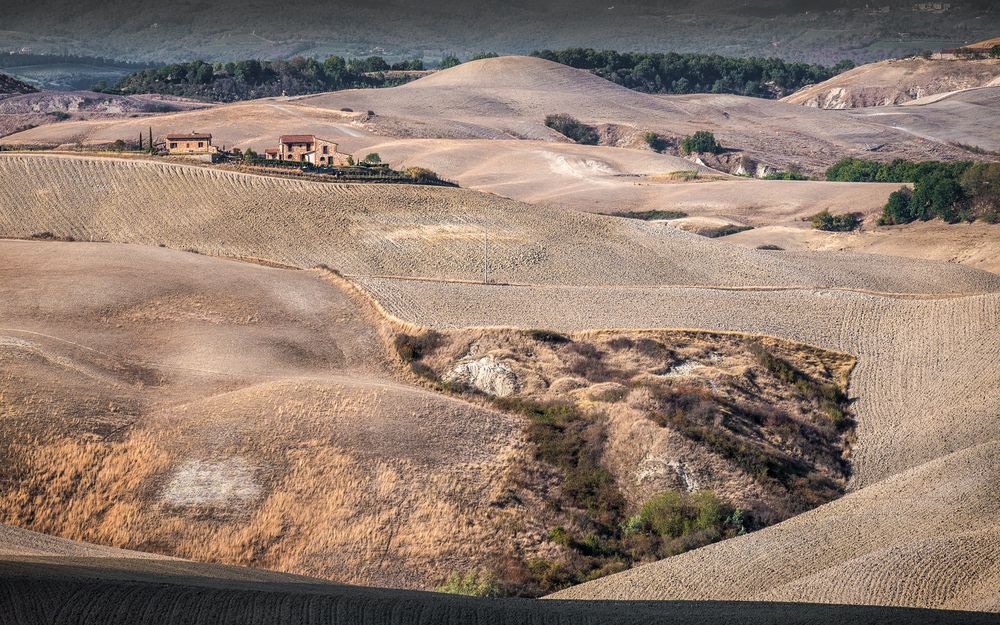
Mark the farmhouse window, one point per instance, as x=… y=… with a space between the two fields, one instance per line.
x=326 y=149
x=200 y=144
x=173 y=145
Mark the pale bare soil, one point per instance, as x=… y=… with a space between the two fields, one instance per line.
x=611 y=180
x=925 y=388
x=964 y=117
x=898 y=81
x=38 y=109
x=412 y=231
x=975 y=245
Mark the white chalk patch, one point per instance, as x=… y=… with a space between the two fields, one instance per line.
x=222 y=483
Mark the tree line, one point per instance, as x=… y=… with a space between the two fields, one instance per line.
x=954 y=191
x=247 y=79
x=655 y=72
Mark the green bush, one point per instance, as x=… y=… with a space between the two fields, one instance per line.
x=449 y=61
x=654 y=215
x=846 y=222
x=473 y=584
x=655 y=141
x=672 y=514
x=897 y=209
x=572 y=128
x=702 y=141
x=953 y=191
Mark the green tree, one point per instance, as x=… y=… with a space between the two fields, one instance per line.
x=701 y=141
x=449 y=61
x=897 y=209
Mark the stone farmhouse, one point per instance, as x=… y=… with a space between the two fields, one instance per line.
x=192 y=143
x=307 y=149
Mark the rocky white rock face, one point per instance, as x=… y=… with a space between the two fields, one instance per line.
x=487 y=375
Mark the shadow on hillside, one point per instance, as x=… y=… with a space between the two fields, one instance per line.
x=81 y=591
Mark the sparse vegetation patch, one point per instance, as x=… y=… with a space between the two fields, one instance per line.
x=572 y=128
x=825 y=220
x=785 y=426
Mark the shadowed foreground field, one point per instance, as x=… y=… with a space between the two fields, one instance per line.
x=138 y=592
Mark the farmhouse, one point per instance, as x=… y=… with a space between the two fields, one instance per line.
x=193 y=143
x=306 y=149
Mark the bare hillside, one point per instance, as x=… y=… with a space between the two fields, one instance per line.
x=235 y=413
x=612 y=180
x=964 y=117
x=11 y=86
x=509 y=97
x=413 y=231
x=896 y=82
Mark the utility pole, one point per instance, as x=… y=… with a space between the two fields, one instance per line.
x=486 y=252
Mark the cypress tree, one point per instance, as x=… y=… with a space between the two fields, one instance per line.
x=150 y=139
x=140 y=142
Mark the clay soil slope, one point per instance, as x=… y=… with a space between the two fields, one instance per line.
x=895 y=82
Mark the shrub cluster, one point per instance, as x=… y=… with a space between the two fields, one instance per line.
x=473 y=584
x=702 y=141
x=825 y=220
x=573 y=128
x=786 y=175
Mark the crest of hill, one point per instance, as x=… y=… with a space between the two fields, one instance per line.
x=895 y=82
x=525 y=73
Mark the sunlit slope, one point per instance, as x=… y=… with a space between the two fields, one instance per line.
x=410 y=231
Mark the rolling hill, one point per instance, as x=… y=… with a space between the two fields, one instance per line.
x=509 y=97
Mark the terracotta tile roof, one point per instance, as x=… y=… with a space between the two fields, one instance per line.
x=297 y=138
x=194 y=136
x=270 y=150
